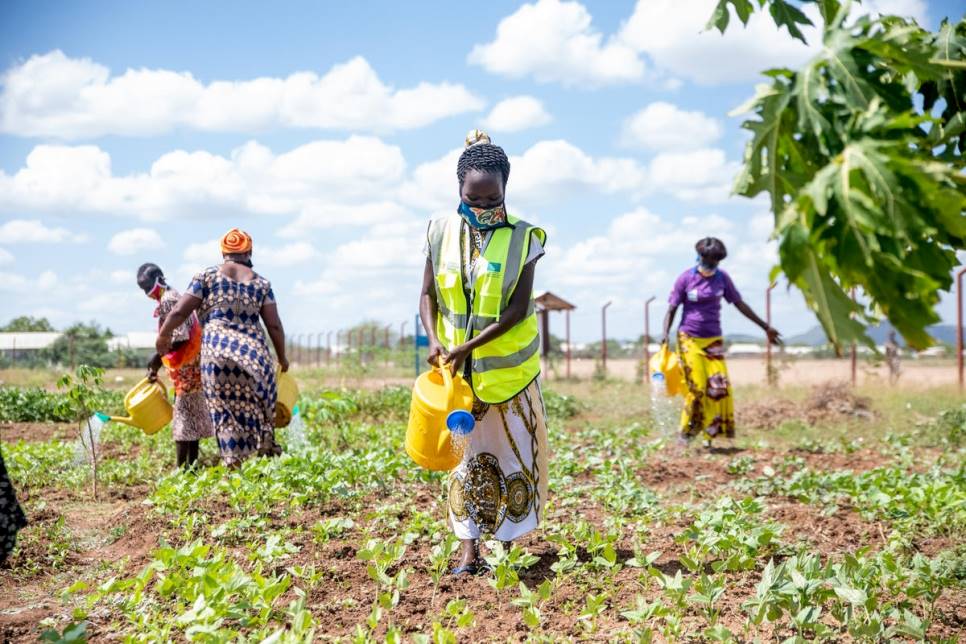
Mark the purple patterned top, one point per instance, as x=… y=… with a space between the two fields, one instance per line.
x=701 y=297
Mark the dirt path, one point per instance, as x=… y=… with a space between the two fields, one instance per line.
x=751 y=371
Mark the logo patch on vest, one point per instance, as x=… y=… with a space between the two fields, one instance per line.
x=493 y=267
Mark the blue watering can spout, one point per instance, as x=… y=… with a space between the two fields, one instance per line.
x=460 y=422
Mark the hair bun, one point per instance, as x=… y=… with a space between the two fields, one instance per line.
x=476 y=137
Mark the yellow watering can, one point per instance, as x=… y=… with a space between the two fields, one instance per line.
x=441 y=406
x=147 y=407
x=288 y=395
x=666 y=365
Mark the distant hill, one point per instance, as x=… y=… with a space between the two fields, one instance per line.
x=814 y=337
x=745 y=339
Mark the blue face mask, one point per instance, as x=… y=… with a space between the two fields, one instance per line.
x=707 y=271
x=483 y=218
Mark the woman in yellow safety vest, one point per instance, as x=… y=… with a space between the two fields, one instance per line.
x=477 y=309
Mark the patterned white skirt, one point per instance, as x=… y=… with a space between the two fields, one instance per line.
x=500 y=487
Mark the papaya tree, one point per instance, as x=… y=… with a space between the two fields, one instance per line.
x=860 y=153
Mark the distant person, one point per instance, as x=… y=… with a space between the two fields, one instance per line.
x=12 y=518
x=237 y=369
x=191 y=421
x=708 y=403
x=477 y=308
x=892 y=352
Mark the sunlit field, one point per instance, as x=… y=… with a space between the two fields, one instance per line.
x=836 y=515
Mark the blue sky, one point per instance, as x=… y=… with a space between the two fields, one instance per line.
x=132 y=132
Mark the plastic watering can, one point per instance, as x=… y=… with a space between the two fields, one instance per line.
x=665 y=368
x=288 y=396
x=440 y=407
x=147 y=407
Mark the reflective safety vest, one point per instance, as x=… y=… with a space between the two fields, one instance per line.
x=505 y=366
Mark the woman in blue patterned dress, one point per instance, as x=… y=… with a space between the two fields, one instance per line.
x=237 y=369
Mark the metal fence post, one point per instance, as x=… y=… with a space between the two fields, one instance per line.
x=647 y=335
x=603 y=330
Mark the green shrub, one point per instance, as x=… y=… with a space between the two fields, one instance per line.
x=35 y=405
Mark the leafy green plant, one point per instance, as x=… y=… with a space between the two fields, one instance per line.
x=708 y=589
x=72 y=634
x=531 y=600
x=332 y=527
x=731 y=534
x=560 y=407
x=507 y=563
x=439 y=557
x=381 y=556
x=83 y=391
x=859 y=153
x=642 y=615
x=35 y=405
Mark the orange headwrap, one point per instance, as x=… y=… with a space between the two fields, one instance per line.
x=236 y=242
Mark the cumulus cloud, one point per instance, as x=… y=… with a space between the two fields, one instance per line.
x=516 y=114
x=541 y=175
x=665 y=126
x=17 y=283
x=287 y=255
x=554 y=41
x=135 y=240
x=204 y=253
x=6 y=257
x=697 y=175
x=180 y=184
x=324 y=215
x=54 y=95
x=640 y=253
x=360 y=278
x=672 y=35
x=26 y=231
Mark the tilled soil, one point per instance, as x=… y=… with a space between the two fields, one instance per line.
x=117 y=535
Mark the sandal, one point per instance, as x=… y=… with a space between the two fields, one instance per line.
x=468 y=569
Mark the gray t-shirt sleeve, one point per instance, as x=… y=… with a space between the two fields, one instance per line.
x=536 y=249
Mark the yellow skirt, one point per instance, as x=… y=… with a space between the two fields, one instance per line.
x=708 y=402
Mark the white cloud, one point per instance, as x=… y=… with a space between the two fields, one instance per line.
x=20 y=231
x=698 y=175
x=201 y=254
x=361 y=278
x=542 y=175
x=917 y=9
x=554 y=41
x=550 y=169
x=181 y=184
x=664 y=126
x=641 y=253
x=288 y=255
x=322 y=215
x=17 y=283
x=123 y=277
x=53 y=95
x=6 y=257
x=672 y=34
x=515 y=114
x=135 y=240
x=433 y=185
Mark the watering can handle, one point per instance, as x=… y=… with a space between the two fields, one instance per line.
x=157 y=381
x=447 y=383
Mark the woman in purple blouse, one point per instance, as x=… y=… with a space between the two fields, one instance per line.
x=709 y=404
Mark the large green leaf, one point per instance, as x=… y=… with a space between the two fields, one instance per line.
x=863 y=175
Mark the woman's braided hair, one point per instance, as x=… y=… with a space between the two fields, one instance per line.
x=481 y=155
